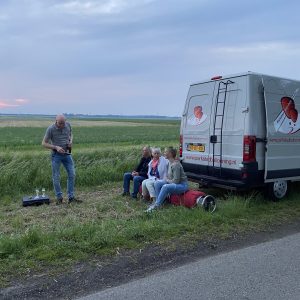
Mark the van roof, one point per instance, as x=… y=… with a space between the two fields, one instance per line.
x=238 y=75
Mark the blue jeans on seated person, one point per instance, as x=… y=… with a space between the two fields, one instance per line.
x=137 y=180
x=67 y=161
x=163 y=189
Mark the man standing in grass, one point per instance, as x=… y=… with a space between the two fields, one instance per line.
x=58 y=138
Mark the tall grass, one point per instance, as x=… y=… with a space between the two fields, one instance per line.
x=23 y=172
x=101 y=154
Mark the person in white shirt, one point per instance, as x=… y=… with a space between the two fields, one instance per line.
x=157 y=169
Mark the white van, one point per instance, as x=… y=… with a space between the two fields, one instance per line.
x=242 y=131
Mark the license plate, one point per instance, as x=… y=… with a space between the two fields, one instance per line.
x=196 y=147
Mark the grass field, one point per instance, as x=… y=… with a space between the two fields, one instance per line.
x=36 y=239
x=102 y=153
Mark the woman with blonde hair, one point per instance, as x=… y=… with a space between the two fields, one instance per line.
x=157 y=169
x=175 y=183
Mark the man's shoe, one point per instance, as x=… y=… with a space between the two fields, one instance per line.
x=73 y=200
x=125 y=194
x=59 y=201
x=134 y=196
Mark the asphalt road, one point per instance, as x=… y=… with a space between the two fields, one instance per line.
x=269 y=270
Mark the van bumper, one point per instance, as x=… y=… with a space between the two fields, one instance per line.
x=243 y=179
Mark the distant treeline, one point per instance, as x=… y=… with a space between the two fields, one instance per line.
x=83 y=116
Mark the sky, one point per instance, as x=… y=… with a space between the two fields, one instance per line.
x=136 y=57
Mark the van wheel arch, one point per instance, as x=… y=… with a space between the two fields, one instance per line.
x=277 y=190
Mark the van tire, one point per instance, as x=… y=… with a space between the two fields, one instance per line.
x=277 y=190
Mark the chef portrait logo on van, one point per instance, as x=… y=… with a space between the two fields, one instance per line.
x=288 y=121
x=198 y=116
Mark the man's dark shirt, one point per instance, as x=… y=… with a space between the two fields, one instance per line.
x=142 y=167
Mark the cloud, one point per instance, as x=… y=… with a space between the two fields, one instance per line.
x=14 y=103
x=4 y=104
x=112 y=55
x=95 y=7
x=267 y=48
x=21 y=101
x=3 y=17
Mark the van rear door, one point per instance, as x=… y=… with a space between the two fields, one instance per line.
x=282 y=103
x=228 y=127
x=195 y=128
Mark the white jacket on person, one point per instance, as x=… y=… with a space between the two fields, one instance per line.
x=162 y=168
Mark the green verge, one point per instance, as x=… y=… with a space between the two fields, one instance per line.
x=52 y=236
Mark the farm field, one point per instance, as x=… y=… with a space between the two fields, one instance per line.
x=102 y=151
x=47 y=238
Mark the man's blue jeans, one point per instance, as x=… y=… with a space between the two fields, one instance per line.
x=137 y=180
x=67 y=162
x=163 y=189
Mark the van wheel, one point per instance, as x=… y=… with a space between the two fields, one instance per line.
x=277 y=190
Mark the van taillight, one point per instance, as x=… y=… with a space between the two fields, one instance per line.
x=249 y=153
x=180 y=146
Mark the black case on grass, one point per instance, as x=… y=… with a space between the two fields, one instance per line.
x=31 y=200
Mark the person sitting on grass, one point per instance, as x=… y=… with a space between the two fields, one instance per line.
x=137 y=175
x=158 y=167
x=176 y=182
